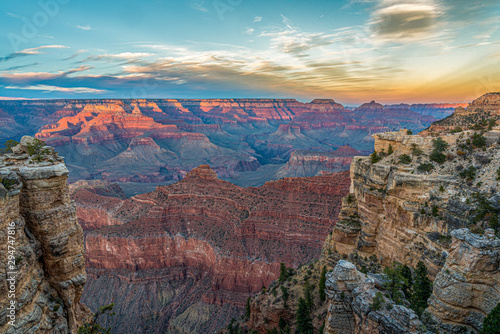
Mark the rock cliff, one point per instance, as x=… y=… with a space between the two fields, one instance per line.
x=199 y=247
x=468 y=287
x=45 y=274
x=350 y=295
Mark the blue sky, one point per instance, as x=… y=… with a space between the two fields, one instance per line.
x=352 y=51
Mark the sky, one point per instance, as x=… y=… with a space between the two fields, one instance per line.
x=352 y=51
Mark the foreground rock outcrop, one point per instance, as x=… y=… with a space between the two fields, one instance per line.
x=468 y=287
x=350 y=296
x=185 y=257
x=44 y=274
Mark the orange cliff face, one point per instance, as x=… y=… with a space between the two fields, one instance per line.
x=218 y=241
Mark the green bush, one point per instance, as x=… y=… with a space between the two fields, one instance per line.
x=374 y=158
x=390 y=150
x=469 y=173
x=421 y=289
x=322 y=284
x=478 y=140
x=425 y=167
x=378 y=301
x=405 y=159
x=457 y=130
x=9 y=144
x=36 y=150
x=8 y=183
x=491 y=324
x=92 y=327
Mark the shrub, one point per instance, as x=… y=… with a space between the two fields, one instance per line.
x=322 y=284
x=8 y=183
x=378 y=301
x=478 y=140
x=395 y=282
x=390 y=150
x=415 y=150
x=491 y=124
x=469 y=173
x=409 y=132
x=36 y=150
x=404 y=159
x=439 y=145
x=498 y=174
x=285 y=294
x=92 y=327
x=425 y=167
x=457 y=130
x=374 y=158
x=9 y=144
x=441 y=189
x=247 y=309
x=491 y=324
x=437 y=157
x=435 y=211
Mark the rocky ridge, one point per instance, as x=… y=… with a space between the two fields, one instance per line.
x=49 y=263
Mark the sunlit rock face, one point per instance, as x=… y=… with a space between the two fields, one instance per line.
x=159 y=140
x=49 y=259
x=197 y=249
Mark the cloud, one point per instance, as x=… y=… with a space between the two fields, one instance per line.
x=405 y=20
x=49 y=89
x=296 y=42
x=198 y=5
x=32 y=51
x=87 y=27
x=249 y=31
x=257 y=19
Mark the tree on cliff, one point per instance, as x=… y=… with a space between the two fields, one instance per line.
x=374 y=158
x=285 y=294
x=491 y=324
x=247 y=309
x=394 y=282
x=303 y=318
x=322 y=285
x=408 y=283
x=92 y=327
x=422 y=289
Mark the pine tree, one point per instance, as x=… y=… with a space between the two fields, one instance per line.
x=283 y=272
x=395 y=282
x=390 y=150
x=285 y=294
x=422 y=289
x=247 y=309
x=408 y=281
x=322 y=285
x=374 y=157
x=491 y=324
x=303 y=318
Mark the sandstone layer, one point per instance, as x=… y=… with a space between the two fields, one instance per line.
x=48 y=261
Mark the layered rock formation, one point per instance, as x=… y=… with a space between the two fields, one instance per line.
x=166 y=137
x=482 y=110
x=399 y=212
x=45 y=273
x=350 y=295
x=198 y=248
x=468 y=287
x=307 y=163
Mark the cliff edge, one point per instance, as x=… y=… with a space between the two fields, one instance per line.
x=42 y=268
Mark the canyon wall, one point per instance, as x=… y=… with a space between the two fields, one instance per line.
x=48 y=264
x=197 y=249
x=158 y=141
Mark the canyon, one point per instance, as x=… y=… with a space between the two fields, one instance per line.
x=143 y=143
x=185 y=257
x=408 y=205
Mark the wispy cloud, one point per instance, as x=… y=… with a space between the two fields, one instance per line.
x=49 y=89
x=249 y=31
x=87 y=27
x=32 y=51
x=198 y=5
x=257 y=19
